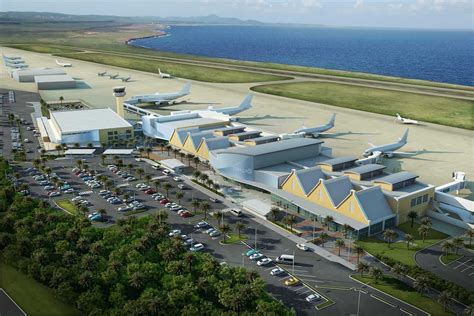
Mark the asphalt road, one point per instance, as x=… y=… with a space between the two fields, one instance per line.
x=8 y=307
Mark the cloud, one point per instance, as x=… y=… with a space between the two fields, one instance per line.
x=358 y=4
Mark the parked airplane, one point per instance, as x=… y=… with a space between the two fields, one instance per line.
x=163 y=75
x=114 y=76
x=8 y=64
x=387 y=150
x=12 y=57
x=63 y=64
x=406 y=120
x=102 y=74
x=245 y=105
x=14 y=61
x=317 y=130
x=126 y=79
x=161 y=98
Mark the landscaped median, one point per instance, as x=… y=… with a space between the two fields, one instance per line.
x=400 y=290
x=400 y=251
x=450 y=257
x=67 y=206
x=233 y=238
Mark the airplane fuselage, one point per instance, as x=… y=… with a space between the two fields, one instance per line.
x=315 y=131
x=384 y=149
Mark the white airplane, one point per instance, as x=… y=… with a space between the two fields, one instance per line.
x=317 y=130
x=163 y=75
x=102 y=74
x=11 y=58
x=8 y=64
x=406 y=120
x=161 y=98
x=388 y=150
x=126 y=79
x=114 y=76
x=245 y=105
x=63 y=64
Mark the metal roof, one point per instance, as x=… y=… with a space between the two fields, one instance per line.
x=397 y=177
x=248 y=133
x=373 y=203
x=263 y=139
x=230 y=129
x=53 y=78
x=363 y=169
x=197 y=137
x=114 y=151
x=268 y=148
x=338 y=161
x=182 y=133
x=40 y=71
x=172 y=163
x=80 y=151
x=88 y=120
x=309 y=177
x=217 y=143
x=338 y=188
x=190 y=122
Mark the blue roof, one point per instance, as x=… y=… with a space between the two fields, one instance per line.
x=263 y=139
x=338 y=188
x=215 y=143
x=197 y=137
x=338 y=161
x=365 y=169
x=308 y=178
x=373 y=203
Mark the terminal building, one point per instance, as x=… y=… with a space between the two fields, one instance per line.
x=94 y=126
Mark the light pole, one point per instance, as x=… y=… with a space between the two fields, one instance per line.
x=243 y=259
x=294 y=261
x=358 y=303
x=255 y=238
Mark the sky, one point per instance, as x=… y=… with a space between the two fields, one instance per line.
x=428 y=14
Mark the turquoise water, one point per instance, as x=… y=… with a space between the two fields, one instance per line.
x=444 y=56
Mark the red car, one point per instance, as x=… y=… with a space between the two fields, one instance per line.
x=150 y=191
x=185 y=214
x=164 y=201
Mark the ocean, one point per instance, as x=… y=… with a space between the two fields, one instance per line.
x=443 y=56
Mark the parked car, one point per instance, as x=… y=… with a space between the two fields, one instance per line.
x=25 y=192
x=150 y=191
x=210 y=230
x=49 y=188
x=256 y=256
x=164 y=201
x=197 y=247
x=139 y=207
x=291 y=281
x=264 y=261
x=175 y=232
x=214 y=200
x=181 y=186
x=186 y=214
x=277 y=271
x=68 y=191
x=251 y=252
x=201 y=225
x=215 y=233
x=54 y=193
x=313 y=297
x=124 y=209
x=188 y=242
x=175 y=208
x=177 y=179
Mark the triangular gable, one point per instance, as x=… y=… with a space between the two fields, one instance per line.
x=351 y=207
x=338 y=189
x=373 y=203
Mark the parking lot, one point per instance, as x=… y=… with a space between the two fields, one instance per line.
x=464 y=265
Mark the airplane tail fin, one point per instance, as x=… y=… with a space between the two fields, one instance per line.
x=404 y=138
x=186 y=89
x=399 y=117
x=159 y=71
x=247 y=102
x=332 y=120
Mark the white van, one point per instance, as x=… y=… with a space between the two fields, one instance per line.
x=285 y=259
x=236 y=212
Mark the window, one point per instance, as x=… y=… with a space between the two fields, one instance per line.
x=425 y=198
x=109 y=133
x=128 y=131
x=418 y=200
x=115 y=132
x=413 y=203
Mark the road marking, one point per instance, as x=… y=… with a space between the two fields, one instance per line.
x=314 y=281
x=406 y=312
x=300 y=288
x=382 y=300
x=308 y=290
x=269 y=268
x=288 y=276
x=306 y=275
x=462 y=263
x=469 y=267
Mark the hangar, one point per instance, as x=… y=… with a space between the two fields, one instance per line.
x=28 y=75
x=53 y=82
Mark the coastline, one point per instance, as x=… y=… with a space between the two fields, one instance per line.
x=158 y=35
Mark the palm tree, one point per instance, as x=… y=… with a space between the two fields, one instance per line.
x=206 y=207
x=458 y=243
x=218 y=216
x=274 y=211
x=412 y=215
x=375 y=273
x=389 y=235
x=196 y=161
x=239 y=226
x=359 y=251
x=398 y=270
x=340 y=244
x=147 y=179
x=179 y=196
x=148 y=152
x=58 y=148
x=195 y=204
x=423 y=231
x=189 y=258
x=102 y=158
x=421 y=284
x=140 y=172
x=329 y=220
x=225 y=229
x=175 y=152
x=362 y=267
x=444 y=298
x=408 y=239
x=323 y=237
x=136 y=280
x=290 y=220
x=469 y=233
x=89 y=145
x=203 y=177
x=141 y=150
x=447 y=246
x=61 y=99
x=157 y=184
x=216 y=186
x=190 y=158
x=167 y=188
x=426 y=221
x=102 y=212
x=162 y=147
x=196 y=175
x=346 y=228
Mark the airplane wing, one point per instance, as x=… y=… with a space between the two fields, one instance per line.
x=371 y=145
x=402 y=153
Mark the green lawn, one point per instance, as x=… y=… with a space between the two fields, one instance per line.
x=33 y=297
x=187 y=71
x=399 y=251
x=67 y=205
x=405 y=293
x=449 y=258
x=233 y=238
x=434 y=109
x=38 y=48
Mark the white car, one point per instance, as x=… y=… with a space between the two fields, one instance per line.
x=181 y=186
x=139 y=185
x=264 y=261
x=197 y=247
x=277 y=271
x=177 y=179
x=175 y=232
x=313 y=297
x=70 y=190
x=124 y=208
x=302 y=247
x=256 y=256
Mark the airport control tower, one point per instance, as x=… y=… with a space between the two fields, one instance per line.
x=119 y=93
